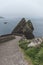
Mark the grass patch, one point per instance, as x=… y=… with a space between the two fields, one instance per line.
x=31 y=52
x=34 y=53
x=23 y=44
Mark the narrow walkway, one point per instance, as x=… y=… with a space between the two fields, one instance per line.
x=10 y=53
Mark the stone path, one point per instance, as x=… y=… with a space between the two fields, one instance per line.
x=10 y=53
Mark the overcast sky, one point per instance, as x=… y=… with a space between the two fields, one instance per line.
x=21 y=8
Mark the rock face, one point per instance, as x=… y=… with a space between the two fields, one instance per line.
x=24 y=27
x=35 y=42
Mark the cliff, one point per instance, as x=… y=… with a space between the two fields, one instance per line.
x=24 y=27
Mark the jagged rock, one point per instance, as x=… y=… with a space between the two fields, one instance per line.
x=24 y=27
x=20 y=26
x=35 y=42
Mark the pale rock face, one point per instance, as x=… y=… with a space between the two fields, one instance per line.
x=35 y=42
x=31 y=44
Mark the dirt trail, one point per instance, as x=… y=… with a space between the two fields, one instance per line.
x=10 y=53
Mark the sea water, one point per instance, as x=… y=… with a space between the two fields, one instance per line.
x=11 y=24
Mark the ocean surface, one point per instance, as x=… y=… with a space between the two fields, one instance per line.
x=38 y=27
x=11 y=24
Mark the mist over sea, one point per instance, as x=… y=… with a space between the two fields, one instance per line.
x=11 y=23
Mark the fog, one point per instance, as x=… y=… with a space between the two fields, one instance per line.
x=21 y=8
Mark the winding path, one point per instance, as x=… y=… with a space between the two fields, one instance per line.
x=10 y=53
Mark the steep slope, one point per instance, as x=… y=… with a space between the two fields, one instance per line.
x=24 y=27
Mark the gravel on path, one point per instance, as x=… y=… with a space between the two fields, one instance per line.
x=10 y=53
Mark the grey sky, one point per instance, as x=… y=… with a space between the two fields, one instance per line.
x=25 y=8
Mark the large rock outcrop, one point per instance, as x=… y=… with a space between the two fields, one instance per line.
x=24 y=27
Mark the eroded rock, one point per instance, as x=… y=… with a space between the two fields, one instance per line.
x=24 y=27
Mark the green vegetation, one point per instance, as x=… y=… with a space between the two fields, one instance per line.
x=35 y=53
x=23 y=45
